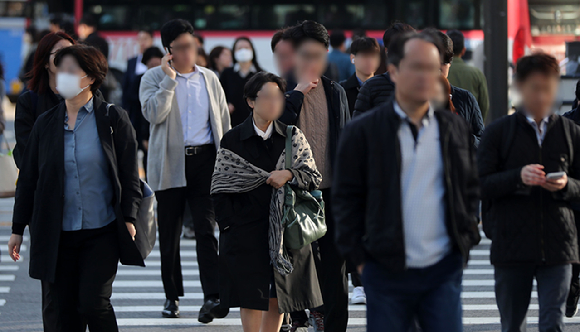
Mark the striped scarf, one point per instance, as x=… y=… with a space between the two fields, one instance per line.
x=233 y=174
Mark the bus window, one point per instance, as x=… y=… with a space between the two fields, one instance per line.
x=460 y=14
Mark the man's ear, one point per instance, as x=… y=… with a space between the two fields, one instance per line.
x=250 y=102
x=352 y=58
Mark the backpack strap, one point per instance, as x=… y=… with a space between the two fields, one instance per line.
x=288 y=151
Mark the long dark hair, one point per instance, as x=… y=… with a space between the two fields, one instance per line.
x=447 y=89
x=213 y=56
x=39 y=74
x=254 y=60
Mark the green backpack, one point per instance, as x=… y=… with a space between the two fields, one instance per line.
x=303 y=214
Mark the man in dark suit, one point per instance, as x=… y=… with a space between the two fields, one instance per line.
x=365 y=54
x=136 y=67
x=88 y=35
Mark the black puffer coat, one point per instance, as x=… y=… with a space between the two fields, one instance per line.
x=466 y=105
x=375 y=91
x=529 y=225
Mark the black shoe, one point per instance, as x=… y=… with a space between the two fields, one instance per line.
x=572 y=302
x=171 y=309
x=211 y=309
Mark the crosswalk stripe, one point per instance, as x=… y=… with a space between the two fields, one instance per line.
x=7 y=277
x=9 y=267
x=478 y=262
x=183 y=253
x=5 y=238
x=6 y=258
x=4 y=289
x=478 y=271
x=479 y=252
x=144 y=272
x=196 y=308
x=193 y=322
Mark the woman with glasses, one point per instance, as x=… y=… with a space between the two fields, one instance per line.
x=79 y=192
x=256 y=273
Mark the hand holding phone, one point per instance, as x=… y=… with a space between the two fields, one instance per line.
x=166 y=65
x=555 y=175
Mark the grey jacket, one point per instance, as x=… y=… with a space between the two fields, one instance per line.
x=166 y=157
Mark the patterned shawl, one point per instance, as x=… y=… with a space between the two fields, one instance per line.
x=233 y=174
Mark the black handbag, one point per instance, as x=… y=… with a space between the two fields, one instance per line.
x=145 y=224
x=303 y=214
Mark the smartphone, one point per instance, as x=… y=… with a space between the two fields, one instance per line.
x=555 y=175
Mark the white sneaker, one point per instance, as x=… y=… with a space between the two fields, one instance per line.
x=358 y=296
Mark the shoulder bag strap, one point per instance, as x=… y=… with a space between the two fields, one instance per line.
x=288 y=151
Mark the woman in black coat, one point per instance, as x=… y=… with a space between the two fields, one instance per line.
x=41 y=95
x=234 y=78
x=79 y=192
x=250 y=274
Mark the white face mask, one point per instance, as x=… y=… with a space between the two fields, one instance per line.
x=69 y=85
x=244 y=55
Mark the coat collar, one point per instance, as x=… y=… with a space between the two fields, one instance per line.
x=351 y=82
x=247 y=128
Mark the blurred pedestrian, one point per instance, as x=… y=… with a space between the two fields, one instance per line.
x=234 y=78
x=319 y=107
x=463 y=101
x=411 y=259
x=88 y=34
x=442 y=99
x=380 y=88
x=528 y=163
x=42 y=94
x=283 y=50
x=186 y=107
x=338 y=55
x=201 y=59
x=135 y=67
x=467 y=77
x=219 y=59
x=251 y=277
x=78 y=235
x=365 y=55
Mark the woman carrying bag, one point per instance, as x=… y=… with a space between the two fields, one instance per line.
x=257 y=271
x=79 y=192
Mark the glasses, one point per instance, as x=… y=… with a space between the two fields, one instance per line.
x=183 y=48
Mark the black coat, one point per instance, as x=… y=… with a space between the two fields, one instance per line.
x=376 y=90
x=245 y=269
x=29 y=107
x=233 y=85
x=128 y=83
x=529 y=225
x=466 y=105
x=40 y=190
x=351 y=87
x=338 y=111
x=367 y=188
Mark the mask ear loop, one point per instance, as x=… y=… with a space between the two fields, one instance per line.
x=83 y=89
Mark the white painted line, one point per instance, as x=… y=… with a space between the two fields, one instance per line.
x=485 y=242
x=479 y=252
x=478 y=262
x=151 y=283
x=2 y=302
x=194 y=322
x=490 y=282
x=194 y=308
x=486 y=295
x=5 y=238
x=478 y=271
x=7 y=277
x=23 y=247
x=158 y=263
x=5 y=258
x=9 y=267
x=153 y=296
x=183 y=253
x=156 y=272
x=4 y=289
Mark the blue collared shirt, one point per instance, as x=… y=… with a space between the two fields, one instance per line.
x=193 y=101
x=541 y=129
x=422 y=191
x=88 y=191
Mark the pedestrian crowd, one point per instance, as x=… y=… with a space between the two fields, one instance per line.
x=332 y=168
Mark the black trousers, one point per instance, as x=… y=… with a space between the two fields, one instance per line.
x=170 y=206
x=50 y=317
x=86 y=269
x=332 y=275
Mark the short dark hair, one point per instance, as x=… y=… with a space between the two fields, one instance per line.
x=446 y=42
x=258 y=80
x=397 y=47
x=90 y=59
x=280 y=35
x=147 y=31
x=337 y=38
x=577 y=92
x=199 y=38
x=365 y=45
x=56 y=20
x=537 y=63
x=173 y=29
x=89 y=20
x=394 y=30
x=309 y=30
x=214 y=54
x=150 y=53
x=458 y=41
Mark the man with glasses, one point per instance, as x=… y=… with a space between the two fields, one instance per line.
x=319 y=107
x=406 y=198
x=187 y=109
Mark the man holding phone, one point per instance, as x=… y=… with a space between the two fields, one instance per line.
x=529 y=164
x=186 y=107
